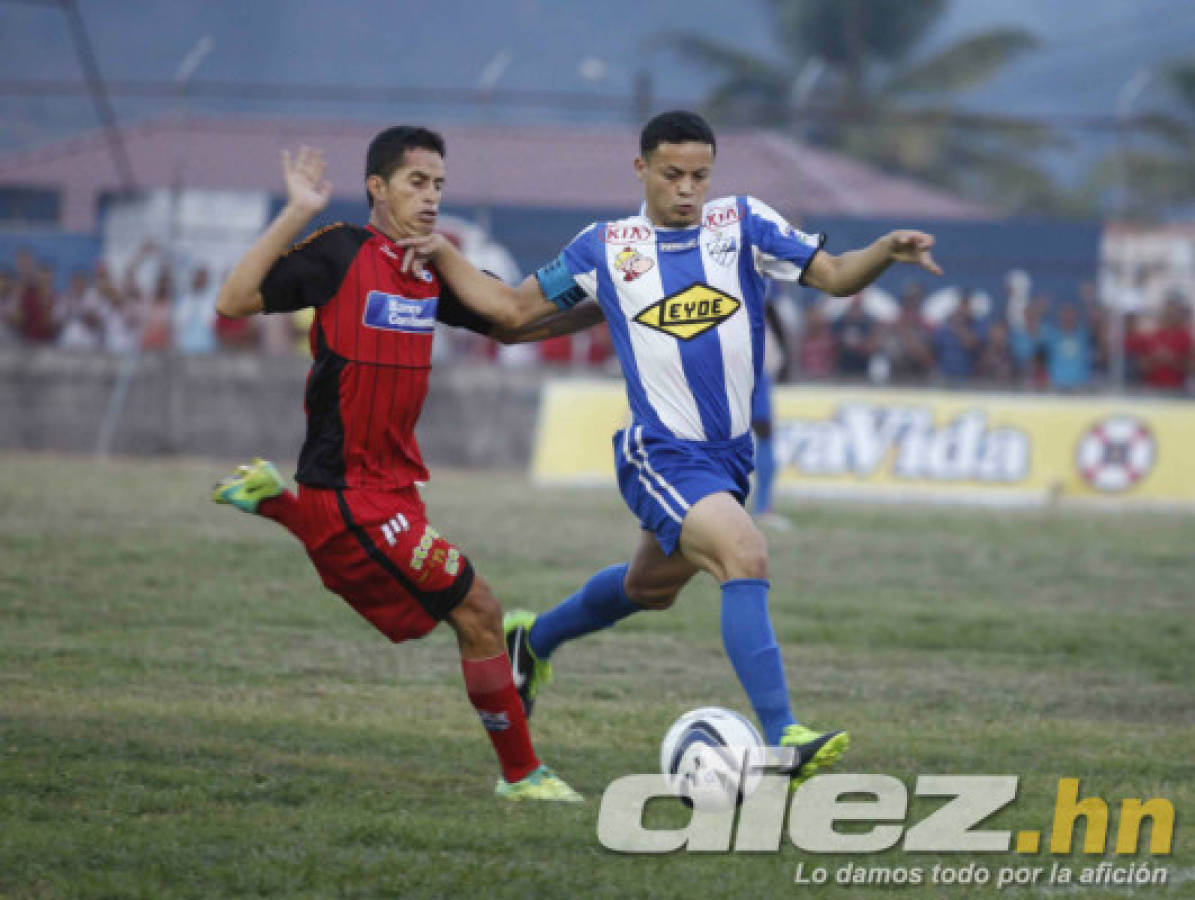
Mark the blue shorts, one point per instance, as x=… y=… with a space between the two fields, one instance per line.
x=761 y=400
x=661 y=477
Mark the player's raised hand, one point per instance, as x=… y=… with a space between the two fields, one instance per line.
x=914 y=247
x=420 y=250
x=306 y=187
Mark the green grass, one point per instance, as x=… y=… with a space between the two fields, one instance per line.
x=185 y=712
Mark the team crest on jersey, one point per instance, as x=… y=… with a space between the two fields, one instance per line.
x=631 y=263
x=722 y=248
x=689 y=313
x=393 y=312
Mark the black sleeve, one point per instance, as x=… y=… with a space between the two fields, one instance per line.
x=821 y=242
x=451 y=311
x=309 y=274
x=774 y=322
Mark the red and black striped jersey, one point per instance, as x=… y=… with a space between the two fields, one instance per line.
x=371 y=347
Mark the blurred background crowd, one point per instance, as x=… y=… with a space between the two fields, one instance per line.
x=1049 y=146
x=951 y=336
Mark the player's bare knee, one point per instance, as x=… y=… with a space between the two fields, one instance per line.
x=484 y=605
x=649 y=593
x=652 y=598
x=661 y=601
x=637 y=593
x=479 y=612
x=748 y=559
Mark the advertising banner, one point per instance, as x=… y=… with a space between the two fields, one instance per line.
x=999 y=449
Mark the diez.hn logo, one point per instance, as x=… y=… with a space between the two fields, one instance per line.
x=880 y=801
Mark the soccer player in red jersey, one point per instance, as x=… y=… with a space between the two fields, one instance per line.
x=358 y=512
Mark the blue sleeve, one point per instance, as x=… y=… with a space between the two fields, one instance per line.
x=784 y=251
x=572 y=276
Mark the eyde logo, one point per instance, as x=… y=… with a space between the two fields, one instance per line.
x=690 y=312
x=628 y=234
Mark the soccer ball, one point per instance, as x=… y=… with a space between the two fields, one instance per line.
x=703 y=753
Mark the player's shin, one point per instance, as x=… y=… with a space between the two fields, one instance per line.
x=492 y=692
x=283 y=509
x=751 y=645
x=600 y=603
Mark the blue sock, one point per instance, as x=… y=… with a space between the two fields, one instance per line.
x=765 y=474
x=599 y=604
x=751 y=645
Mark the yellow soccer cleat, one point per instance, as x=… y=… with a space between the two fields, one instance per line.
x=249 y=485
x=542 y=784
x=816 y=750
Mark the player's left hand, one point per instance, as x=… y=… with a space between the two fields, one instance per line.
x=420 y=251
x=914 y=247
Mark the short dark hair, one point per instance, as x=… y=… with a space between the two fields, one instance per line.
x=389 y=148
x=676 y=127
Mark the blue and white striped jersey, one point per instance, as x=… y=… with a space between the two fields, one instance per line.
x=685 y=308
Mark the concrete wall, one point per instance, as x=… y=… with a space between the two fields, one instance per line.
x=234 y=406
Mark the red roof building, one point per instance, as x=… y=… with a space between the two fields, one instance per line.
x=554 y=167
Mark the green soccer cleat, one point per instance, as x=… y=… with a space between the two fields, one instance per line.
x=816 y=750
x=248 y=485
x=528 y=671
x=542 y=784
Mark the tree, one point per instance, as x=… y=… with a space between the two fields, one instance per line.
x=851 y=80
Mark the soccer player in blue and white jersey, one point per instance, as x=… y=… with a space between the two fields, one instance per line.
x=682 y=287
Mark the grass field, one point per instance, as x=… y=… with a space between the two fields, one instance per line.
x=185 y=712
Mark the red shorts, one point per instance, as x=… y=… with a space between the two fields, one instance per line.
x=377 y=551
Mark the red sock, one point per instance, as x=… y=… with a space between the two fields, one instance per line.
x=492 y=692
x=282 y=509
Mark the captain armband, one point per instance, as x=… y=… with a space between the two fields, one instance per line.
x=558 y=284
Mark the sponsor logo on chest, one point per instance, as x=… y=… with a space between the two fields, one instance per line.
x=721 y=216
x=689 y=313
x=619 y=233
x=678 y=246
x=394 y=312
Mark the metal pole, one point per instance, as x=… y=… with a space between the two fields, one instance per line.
x=1128 y=94
x=99 y=95
x=487 y=82
x=641 y=98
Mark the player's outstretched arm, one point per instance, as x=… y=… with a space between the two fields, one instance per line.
x=569 y=321
x=854 y=270
x=307 y=192
x=509 y=308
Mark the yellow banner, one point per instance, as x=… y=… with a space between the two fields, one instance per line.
x=577 y=419
x=934 y=445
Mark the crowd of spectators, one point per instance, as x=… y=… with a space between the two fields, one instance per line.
x=959 y=338
x=1045 y=343
x=139 y=308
